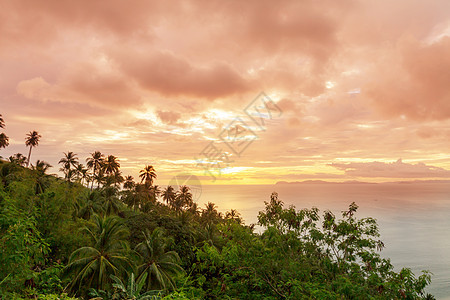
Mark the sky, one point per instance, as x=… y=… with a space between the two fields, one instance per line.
x=353 y=89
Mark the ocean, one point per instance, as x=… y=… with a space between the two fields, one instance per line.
x=414 y=218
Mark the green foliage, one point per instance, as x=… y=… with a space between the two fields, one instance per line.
x=302 y=256
x=59 y=236
x=23 y=247
x=158 y=266
x=106 y=254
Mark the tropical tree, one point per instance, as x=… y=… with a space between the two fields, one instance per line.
x=91 y=265
x=42 y=179
x=32 y=140
x=18 y=159
x=234 y=215
x=100 y=178
x=89 y=204
x=115 y=179
x=160 y=265
x=210 y=215
x=82 y=174
x=111 y=165
x=129 y=183
x=183 y=198
x=111 y=203
x=131 y=198
x=69 y=160
x=4 y=140
x=148 y=174
x=169 y=196
x=95 y=163
x=155 y=191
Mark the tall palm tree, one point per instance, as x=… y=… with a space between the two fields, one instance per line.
x=32 y=140
x=160 y=265
x=92 y=265
x=169 y=195
x=95 y=162
x=111 y=165
x=147 y=175
x=4 y=140
x=2 y=122
x=69 y=160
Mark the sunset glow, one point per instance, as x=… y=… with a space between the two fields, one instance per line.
x=362 y=86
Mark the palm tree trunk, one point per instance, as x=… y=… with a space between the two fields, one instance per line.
x=93 y=179
x=29 y=155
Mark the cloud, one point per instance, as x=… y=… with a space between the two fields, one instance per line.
x=83 y=83
x=412 y=80
x=94 y=71
x=397 y=169
x=165 y=73
x=168 y=117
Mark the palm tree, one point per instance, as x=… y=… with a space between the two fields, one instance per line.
x=160 y=265
x=169 y=196
x=111 y=165
x=115 y=179
x=183 y=199
x=69 y=160
x=32 y=140
x=147 y=175
x=95 y=162
x=132 y=198
x=82 y=173
x=210 y=214
x=40 y=170
x=155 y=191
x=233 y=215
x=18 y=159
x=4 y=140
x=100 y=178
x=2 y=122
x=89 y=204
x=92 y=265
x=129 y=183
x=111 y=203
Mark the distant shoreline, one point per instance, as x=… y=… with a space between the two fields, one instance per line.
x=359 y=182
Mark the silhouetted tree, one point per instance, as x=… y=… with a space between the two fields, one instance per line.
x=32 y=140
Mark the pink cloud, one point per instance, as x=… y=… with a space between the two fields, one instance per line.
x=413 y=80
x=168 y=74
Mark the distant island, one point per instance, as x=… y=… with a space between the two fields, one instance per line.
x=360 y=182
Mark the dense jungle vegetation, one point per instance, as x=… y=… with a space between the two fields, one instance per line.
x=96 y=234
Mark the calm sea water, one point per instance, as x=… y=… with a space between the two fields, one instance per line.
x=414 y=219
